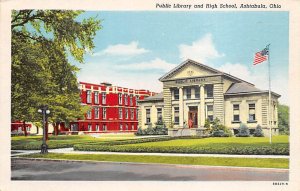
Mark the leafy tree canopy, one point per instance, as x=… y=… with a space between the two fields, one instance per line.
x=41 y=73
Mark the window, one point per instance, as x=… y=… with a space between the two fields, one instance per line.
x=209 y=90
x=126 y=113
x=137 y=114
x=148 y=116
x=126 y=99
x=132 y=114
x=120 y=113
x=176 y=115
x=89 y=127
x=188 y=93
x=27 y=128
x=252 y=112
x=132 y=127
x=176 y=94
x=88 y=96
x=96 y=97
x=96 y=112
x=159 y=115
x=120 y=99
x=210 y=112
x=236 y=113
x=197 y=92
x=103 y=98
x=104 y=127
x=131 y=100
x=121 y=127
x=104 y=113
x=97 y=128
x=136 y=100
x=126 y=126
x=89 y=115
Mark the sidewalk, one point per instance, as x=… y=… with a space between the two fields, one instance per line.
x=71 y=151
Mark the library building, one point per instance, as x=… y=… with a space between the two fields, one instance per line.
x=193 y=93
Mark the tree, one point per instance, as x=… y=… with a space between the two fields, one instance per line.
x=243 y=131
x=42 y=41
x=283 y=119
x=258 y=131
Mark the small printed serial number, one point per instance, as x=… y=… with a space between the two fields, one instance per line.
x=280 y=183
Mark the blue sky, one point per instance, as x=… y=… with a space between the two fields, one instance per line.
x=135 y=48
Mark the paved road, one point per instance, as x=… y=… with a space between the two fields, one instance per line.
x=104 y=171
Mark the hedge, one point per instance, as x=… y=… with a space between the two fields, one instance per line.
x=241 y=150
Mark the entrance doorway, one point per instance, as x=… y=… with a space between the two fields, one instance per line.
x=193 y=117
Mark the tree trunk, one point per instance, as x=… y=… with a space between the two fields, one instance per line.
x=25 y=129
x=37 y=130
x=46 y=131
x=56 y=130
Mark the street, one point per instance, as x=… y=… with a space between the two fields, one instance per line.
x=23 y=169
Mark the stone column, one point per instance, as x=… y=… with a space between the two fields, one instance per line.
x=167 y=106
x=202 y=106
x=181 y=108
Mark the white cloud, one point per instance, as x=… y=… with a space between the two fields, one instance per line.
x=201 y=50
x=130 y=49
x=154 y=64
x=258 y=75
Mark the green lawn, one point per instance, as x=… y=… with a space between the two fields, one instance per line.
x=214 y=145
x=211 y=161
x=62 y=141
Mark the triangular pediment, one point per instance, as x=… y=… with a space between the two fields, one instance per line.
x=189 y=68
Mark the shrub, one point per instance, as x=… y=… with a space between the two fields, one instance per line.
x=258 y=131
x=160 y=129
x=243 y=131
x=219 y=130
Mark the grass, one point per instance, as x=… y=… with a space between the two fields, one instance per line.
x=210 y=161
x=62 y=141
x=217 y=145
x=229 y=141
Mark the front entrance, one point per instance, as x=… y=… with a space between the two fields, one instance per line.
x=193 y=117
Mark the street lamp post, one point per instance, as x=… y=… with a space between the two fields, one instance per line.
x=44 y=110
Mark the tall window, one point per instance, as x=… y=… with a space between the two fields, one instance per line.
x=136 y=100
x=148 y=116
x=89 y=115
x=126 y=126
x=197 y=92
x=89 y=127
x=96 y=112
x=97 y=128
x=88 y=96
x=188 y=93
x=121 y=127
x=96 y=97
x=176 y=94
x=209 y=90
x=252 y=112
x=132 y=127
x=104 y=113
x=126 y=113
x=120 y=99
x=137 y=114
x=103 y=98
x=159 y=115
x=120 y=113
x=131 y=101
x=126 y=99
x=176 y=115
x=131 y=114
x=210 y=112
x=104 y=127
x=236 y=112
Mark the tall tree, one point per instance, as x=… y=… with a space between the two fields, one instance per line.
x=283 y=119
x=41 y=74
